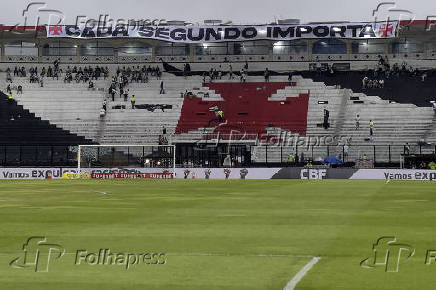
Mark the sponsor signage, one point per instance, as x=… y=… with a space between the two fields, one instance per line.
x=226 y=173
x=33 y=173
x=131 y=175
x=395 y=174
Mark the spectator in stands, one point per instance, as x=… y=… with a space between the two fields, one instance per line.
x=8 y=77
x=422 y=142
x=8 y=88
x=121 y=91
x=434 y=107
x=406 y=149
x=90 y=85
x=423 y=77
x=364 y=82
x=19 y=89
x=56 y=64
x=331 y=70
x=126 y=95
x=290 y=77
x=244 y=76
x=211 y=75
x=318 y=65
x=164 y=130
x=132 y=101
x=266 y=75
x=105 y=105
x=357 y=121
x=346 y=152
x=102 y=113
x=186 y=70
x=162 y=90
x=326 y=123
x=112 y=93
x=220 y=73
x=381 y=60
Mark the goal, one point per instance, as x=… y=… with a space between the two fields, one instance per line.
x=126 y=161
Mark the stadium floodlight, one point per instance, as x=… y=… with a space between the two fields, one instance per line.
x=128 y=161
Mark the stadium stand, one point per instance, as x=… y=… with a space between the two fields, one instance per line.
x=29 y=140
x=181 y=91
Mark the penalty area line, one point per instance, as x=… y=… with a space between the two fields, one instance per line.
x=297 y=278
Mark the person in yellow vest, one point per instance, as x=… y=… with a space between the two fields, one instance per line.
x=220 y=115
x=10 y=97
x=371 y=127
x=291 y=159
x=133 y=100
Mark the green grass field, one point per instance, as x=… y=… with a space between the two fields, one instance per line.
x=218 y=234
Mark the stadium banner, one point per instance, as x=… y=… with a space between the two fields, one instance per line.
x=206 y=34
x=225 y=173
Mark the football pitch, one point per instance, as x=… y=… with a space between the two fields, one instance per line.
x=217 y=234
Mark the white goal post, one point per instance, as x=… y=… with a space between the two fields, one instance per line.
x=138 y=158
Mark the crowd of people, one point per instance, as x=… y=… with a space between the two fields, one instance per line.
x=85 y=75
x=372 y=84
x=376 y=78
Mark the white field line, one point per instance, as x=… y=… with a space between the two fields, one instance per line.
x=297 y=278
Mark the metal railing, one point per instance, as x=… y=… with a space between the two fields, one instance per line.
x=213 y=154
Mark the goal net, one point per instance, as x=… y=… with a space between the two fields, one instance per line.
x=126 y=161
